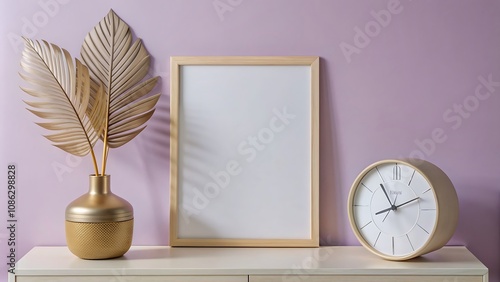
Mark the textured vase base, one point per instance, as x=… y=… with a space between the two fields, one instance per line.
x=99 y=240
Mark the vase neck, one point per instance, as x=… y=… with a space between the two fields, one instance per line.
x=99 y=184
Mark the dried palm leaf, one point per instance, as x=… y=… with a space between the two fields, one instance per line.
x=119 y=65
x=63 y=92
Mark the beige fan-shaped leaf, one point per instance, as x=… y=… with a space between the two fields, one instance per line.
x=120 y=66
x=63 y=93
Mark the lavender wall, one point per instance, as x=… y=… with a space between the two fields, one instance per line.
x=413 y=85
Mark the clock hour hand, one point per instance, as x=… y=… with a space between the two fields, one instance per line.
x=386 y=195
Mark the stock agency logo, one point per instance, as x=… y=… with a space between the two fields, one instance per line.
x=363 y=36
x=31 y=25
x=249 y=149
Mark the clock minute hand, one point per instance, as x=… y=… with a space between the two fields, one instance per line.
x=407 y=202
x=393 y=207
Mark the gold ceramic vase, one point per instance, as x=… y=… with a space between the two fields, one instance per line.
x=99 y=224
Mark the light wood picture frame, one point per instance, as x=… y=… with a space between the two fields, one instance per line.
x=244 y=151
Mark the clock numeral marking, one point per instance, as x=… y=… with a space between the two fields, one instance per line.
x=422 y=228
x=410 y=242
x=426 y=191
x=365 y=225
x=428 y=209
x=376 y=240
x=411 y=178
x=392 y=245
x=376 y=168
x=396 y=172
x=366 y=187
x=361 y=205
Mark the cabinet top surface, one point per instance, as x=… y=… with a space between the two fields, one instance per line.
x=153 y=260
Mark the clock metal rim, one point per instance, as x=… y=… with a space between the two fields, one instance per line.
x=361 y=239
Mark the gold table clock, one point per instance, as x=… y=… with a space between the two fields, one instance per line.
x=401 y=209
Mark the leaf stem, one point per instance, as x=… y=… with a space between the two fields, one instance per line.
x=94 y=161
x=105 y=157
x=105 y=148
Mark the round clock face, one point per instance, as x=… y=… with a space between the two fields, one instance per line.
x=393 y=209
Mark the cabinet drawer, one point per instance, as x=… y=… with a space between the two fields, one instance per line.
x=334 y=278
x=131 y=279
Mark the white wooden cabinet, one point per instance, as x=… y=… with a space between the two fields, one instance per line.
x=324 y=264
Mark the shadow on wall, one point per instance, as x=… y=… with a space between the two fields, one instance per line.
x=154 y=149
x=331 y=200
x=158 y=137
x=479 y=226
